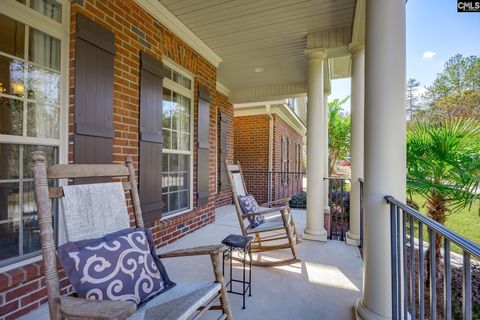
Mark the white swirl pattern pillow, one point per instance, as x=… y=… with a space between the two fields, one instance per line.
x=250 y=205
x=119 y=266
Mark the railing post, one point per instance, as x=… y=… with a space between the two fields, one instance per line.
x=361 y=212
x=394 y=258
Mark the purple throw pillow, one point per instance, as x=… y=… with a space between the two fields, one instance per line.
x=250 y=205
x=122 y=265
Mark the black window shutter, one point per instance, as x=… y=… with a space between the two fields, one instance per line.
x=203 y=145
x=94 y=55
x=223 y=150
x=151 y=138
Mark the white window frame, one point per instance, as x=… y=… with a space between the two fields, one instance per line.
x=176 y=87
x=28 y=16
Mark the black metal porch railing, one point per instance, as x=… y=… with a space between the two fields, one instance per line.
x=268 y=186
x=361 y=212
x=417 y=296
x=339 y=203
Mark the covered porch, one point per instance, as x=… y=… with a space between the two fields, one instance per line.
x=330 y=272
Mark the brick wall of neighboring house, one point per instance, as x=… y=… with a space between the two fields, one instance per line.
x=23 y=289
x=251 y=149
x=293 y=185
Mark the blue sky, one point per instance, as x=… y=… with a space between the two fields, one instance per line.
x=435 y=32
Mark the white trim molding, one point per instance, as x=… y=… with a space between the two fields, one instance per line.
x=173 y=24
x=222 y=89
x=279 y=107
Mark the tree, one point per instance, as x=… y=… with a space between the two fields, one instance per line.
x=338 y=133
x=412 y=107
x=443 y=166
x=455 y=92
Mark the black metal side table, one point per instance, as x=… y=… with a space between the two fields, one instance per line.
x=242 y=245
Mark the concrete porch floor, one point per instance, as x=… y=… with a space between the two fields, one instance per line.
x=325 y=285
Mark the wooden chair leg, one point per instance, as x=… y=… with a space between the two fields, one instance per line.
x=217 y=269
x=258 y=239
x=291 y=240
x=297 y=237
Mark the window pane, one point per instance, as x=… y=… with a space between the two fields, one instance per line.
x=11 y=116
x=11 y=77
x=182 y=103
x=183 y=181
x=167 y=71
x=9 y=158
x=173 y=204
x=184 y=142
x=174 y=141
x=187 y=83
x=165 y=203
x=183 y=163
x=164 y=182
x=43 y=121
x=43 y=86
x=183 y=200
x=165 y=162
x=185 y=123
x=12 y=40
x=173 y=162
x=167 y=139
x=44 y=49
x=49 y=8
x=9 y=220
x=175 y=121
x=177 y=77
x=51 y=157
x=31 y=230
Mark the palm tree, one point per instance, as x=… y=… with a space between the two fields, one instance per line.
x=443 y=166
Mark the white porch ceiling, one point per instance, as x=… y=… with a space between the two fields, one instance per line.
x=268 y=34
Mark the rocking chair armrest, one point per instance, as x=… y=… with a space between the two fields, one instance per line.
x=267 y=204
x=79 y=308
x=270 y=210
x=197 y=251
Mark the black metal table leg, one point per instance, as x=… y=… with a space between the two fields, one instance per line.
x=243 y=249
x=243 y=282
x=250 y=271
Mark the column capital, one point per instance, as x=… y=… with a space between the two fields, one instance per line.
x=318 y=53
x=357 y=48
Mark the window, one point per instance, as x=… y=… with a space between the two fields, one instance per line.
x=30 y=100
x=285 y=159
x=298 y=159
x=177 y=132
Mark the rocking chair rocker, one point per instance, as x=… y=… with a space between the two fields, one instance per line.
x=279 y=228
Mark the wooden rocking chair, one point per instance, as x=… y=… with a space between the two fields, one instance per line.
x=184 y=301
x=278 y=229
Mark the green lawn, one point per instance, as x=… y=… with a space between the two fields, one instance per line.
x=465 y=222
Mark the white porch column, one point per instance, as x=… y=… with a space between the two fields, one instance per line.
x=315 y=147
x=385 y=154
x=356 y=145
x=325 y=170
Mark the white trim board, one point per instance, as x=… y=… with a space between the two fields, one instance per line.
x=173 y=24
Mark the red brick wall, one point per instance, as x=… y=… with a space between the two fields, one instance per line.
x=294 y=184
x=251 y=149
x=224 y=197
x=23 y=289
